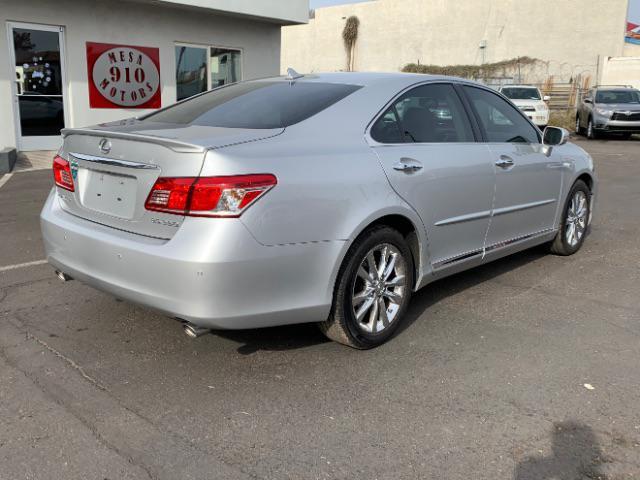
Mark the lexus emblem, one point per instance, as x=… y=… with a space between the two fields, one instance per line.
x=627 y=113
x=104 y=145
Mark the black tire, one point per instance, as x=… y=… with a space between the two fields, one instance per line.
x=561 y=245
x=592 y=134
x=578 y=127
x=626 y=136
x=342 y=325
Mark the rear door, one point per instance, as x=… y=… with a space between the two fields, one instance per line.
x=528 y=182
x=427 y=147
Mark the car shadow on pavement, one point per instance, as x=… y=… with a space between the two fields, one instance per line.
x=446 y=287
x=287 y=337
x=292 y=337
x=575 y=454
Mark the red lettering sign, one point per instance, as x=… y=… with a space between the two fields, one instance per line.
x=123 y=76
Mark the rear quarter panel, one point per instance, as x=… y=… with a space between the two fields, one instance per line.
x=324 y=190
x=579 y=163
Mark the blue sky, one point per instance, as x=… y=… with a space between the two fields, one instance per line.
x=326 y=3
x=634 y=11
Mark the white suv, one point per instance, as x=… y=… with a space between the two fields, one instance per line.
x=530 y=101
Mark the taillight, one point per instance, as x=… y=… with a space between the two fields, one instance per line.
x=62 y=173
x=208 y=196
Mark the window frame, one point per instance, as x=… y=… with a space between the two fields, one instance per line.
x=485 y=137
x=477 y=135
x=207 y=47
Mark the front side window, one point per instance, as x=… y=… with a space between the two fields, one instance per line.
x=618 y=96
x=521 y=93
x=199 y=69
x=502 y=122
x=257 y=104
x=430 y=113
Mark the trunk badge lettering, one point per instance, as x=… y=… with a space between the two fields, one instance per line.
x=166 y=223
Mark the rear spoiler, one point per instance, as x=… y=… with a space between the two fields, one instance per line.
x=175 y=145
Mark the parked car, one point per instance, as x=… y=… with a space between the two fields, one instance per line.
x=311 y=199
x=609 y=110
x=530 y=101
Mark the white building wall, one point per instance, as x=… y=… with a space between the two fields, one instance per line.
x=140 y=24
x=569 y=35
x=621 y=71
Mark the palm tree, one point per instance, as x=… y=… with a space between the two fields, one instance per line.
x=349 y=36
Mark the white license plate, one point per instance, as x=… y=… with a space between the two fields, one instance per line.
x=107 y=192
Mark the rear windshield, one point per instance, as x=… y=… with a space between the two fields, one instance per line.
x=255 y=105
x=618 y=96
x=517 y=93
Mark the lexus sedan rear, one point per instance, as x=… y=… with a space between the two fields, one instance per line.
x=325 y=198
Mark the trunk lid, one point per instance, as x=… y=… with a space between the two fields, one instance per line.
x=114 y=167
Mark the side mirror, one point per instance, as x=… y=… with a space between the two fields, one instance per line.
x=553 y=136
x=546 y=98
x=588 y=100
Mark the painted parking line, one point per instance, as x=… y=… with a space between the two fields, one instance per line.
x=5 y=179
x=22 y=265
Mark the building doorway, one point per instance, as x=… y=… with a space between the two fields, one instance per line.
x=37 y=54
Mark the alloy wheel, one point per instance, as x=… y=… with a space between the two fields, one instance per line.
x=379 y=288
x=576 y=222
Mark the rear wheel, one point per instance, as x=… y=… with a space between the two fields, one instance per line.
x=573 y=228
x=578 y=128
x=373 y=290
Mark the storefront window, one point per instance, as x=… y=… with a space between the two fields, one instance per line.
x=226 y=67
x=194 y=74
x=191 y=71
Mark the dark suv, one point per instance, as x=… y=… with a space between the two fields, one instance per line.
x=614 y=109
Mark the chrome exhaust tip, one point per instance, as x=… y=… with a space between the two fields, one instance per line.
x=63 y=276
x=193 y=331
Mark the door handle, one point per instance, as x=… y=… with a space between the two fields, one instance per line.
x=407 y=165
x=505 y=162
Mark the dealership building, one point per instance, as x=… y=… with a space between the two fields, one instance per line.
x=73 y=63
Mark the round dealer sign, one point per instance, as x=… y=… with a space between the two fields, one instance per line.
x=124 y=76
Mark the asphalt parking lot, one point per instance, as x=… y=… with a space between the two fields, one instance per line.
x=527 y=368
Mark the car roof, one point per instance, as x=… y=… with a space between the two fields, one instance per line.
x=616 y=89
x=367 y=78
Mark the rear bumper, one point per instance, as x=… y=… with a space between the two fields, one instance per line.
x=212 y=273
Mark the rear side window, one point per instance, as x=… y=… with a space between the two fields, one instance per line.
x=260 y=105
x=502 y=122
x=430 y=113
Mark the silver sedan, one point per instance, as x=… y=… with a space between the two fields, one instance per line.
x=325 y=198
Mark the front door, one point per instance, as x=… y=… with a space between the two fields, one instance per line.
x=38 y=85
x=427 y=148
x=528 y=182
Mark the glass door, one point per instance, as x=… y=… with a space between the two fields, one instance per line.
x=39 y=85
